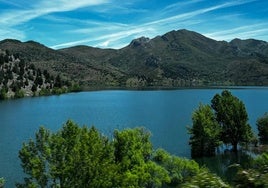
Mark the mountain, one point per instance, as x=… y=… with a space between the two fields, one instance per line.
x=177 y=58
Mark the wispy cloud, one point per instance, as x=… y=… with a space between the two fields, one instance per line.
x=16 y=17
x=12 y=18
x=11 y=33
x=195 y=13
x=116 y=31
x=11 y=3
x=114 y=23
x=242 y=32
x=180 y=4
x=104 y=40
x=66 y=5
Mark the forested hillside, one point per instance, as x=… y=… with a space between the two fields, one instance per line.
x=19 y=78
x=176 y=59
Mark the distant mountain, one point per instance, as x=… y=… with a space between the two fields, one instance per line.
x=177 y=58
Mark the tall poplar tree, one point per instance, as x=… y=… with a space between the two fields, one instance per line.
x=233 y=118
x=205 y=132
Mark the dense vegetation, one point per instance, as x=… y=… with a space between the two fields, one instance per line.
x=83 y=157
x=225 y=122
x=205 y=132
x=262 y=125
x=19 y=78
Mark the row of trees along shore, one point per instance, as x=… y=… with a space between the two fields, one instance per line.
x=78 y=156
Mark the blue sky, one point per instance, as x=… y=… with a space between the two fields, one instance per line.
x=114 y=23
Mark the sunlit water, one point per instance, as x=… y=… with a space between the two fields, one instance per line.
x=166 y=113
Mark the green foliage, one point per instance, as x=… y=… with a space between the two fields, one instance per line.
x=133 y=150
x=34 y=88
x=75 y=88
x=82 y=157
x=19 y=94
x=2 y=182
x=18 y=75
x=255 y=177
x=179 y=169
x=127 y=142
x=251 y=178
x=58 y=82
x=262 y=125
x=44 y=92
x=232 y=116
x=261 y=163
x=3 y=94
x=58 y=91
x=205 y=179
x=72 y=157
x=205 y=132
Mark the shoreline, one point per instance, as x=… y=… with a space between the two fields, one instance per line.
x=150 y=88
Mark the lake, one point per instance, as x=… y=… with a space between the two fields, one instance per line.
x=166 y=113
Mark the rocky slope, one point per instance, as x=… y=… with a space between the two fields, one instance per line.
x=19 y=78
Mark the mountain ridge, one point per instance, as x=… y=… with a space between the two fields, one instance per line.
x=175 y=59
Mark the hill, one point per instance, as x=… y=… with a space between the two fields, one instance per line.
x=177 y=58
x=19 y=78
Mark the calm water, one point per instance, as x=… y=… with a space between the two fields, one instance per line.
x=165 y=113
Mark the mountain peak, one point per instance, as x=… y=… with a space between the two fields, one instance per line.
x=142 y=41
x=10 y=41
x=177 y=58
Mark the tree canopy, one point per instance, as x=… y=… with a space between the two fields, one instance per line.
x=232 y=116
x=78 y=156
x=72 y=157
x=225 y=121
x=205 y=132
x=262 y=125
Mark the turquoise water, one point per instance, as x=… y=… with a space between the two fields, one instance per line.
x=166 y=113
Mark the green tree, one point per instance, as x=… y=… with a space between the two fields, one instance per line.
x=233 y=118
x=72 y=157
x=78 y=157
x=58 y=82
x=34 y=88
x=2 y=60
x=34 y=157
x=262 y=125
x=205 y=132
x=2 y=182
x=3 y=94
x=133 y=151
x=81 y=157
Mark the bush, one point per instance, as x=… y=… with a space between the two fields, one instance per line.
x=205 y=179
x=262 y=125
x=179 y=169
x=257 y=176
x=3 y=94
x=19 y=94
x=2 y=182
